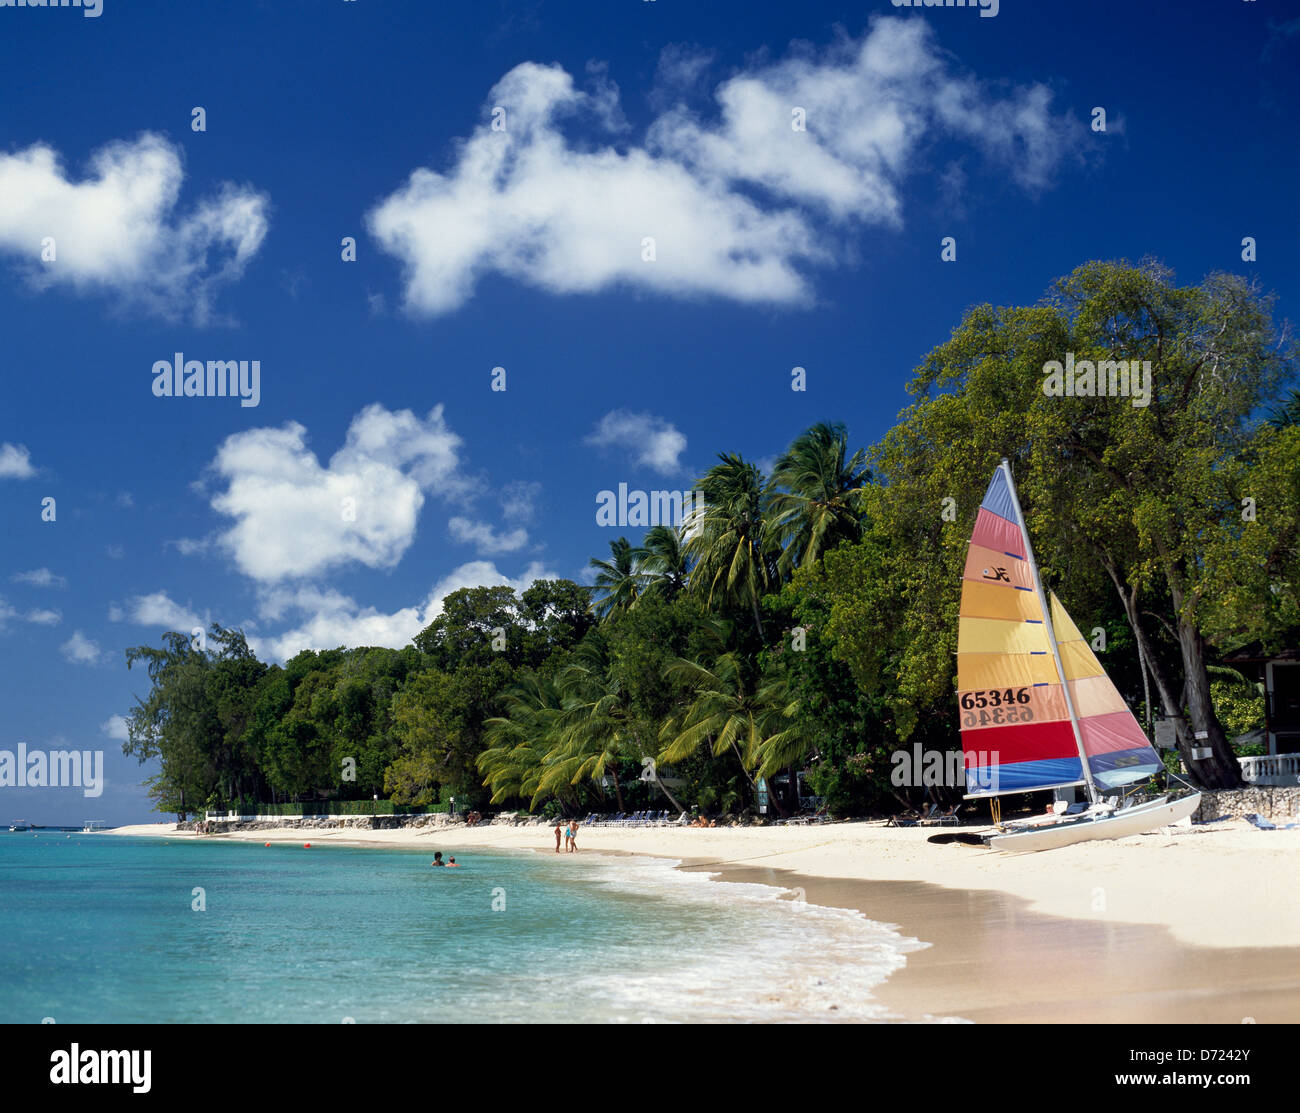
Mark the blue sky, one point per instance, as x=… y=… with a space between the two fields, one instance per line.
x=523 y=248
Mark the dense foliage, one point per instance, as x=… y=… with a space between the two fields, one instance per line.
x=802 y=626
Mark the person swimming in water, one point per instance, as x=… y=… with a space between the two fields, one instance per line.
x=451 y=865
x=437 y=859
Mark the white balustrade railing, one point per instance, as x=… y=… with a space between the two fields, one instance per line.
x=1271 y=769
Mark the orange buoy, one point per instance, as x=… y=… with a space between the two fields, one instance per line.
x=306 y=845
x=266 y=844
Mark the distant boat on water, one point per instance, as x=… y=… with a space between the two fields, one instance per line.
x=1037 y=709
x=21 y=825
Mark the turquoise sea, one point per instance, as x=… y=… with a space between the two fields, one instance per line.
x=99 y=928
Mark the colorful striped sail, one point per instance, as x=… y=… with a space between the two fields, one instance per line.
x=1117 y=748
x=1016 y=726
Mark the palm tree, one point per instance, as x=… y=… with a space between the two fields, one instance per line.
x=617 y=581
x=788 y=740
x=662 y=564
x=597 y=728
x=724 y=711
x=590 y=728
x=731 y=545
x=817 y=499
x=1287 y=413
x=519 y=741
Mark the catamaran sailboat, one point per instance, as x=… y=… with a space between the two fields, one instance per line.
x=1037 y=709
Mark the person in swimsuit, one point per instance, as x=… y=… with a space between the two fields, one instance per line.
x=451 y=865
x=557 y=836
x=437 y=859
x=573 y=835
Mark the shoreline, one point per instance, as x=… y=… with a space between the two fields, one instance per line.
x=1180 y=925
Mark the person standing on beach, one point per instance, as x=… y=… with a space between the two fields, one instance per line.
x=557 y=836
x=573 y=836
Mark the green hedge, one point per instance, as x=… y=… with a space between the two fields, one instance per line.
x=336 y=807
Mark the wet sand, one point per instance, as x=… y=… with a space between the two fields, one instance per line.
x=992 y=960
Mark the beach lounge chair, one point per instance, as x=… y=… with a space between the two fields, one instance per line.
x=937 y=818
x=906 y=819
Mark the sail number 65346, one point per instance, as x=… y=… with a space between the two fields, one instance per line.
x=994 y=697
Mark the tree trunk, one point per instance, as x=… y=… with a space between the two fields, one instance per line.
x=664 y=790
x=736 y=750
x=775 y=797
x=1146 y=682
x=758 y=621
x=618 y=791
x=1171 y=706
x=1221 y=769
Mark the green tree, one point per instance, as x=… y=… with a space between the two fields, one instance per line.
x=662 y=564
x=618 y=582
x=817 y=500
x=733 y=549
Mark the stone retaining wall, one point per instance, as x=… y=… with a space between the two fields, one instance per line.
x=1272 y=802
x=366 y=822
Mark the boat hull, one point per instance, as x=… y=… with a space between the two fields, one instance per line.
x=1117 y=825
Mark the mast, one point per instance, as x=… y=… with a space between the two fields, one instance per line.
x=1051 y=633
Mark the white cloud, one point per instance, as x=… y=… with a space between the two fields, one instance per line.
x=188 y=546
x=115 y=727
x=485 y=538
x=519 y=499
x=326 y=619
x=39 y=617
x=651 y=441
x=118 y=229
x=738 y=203
x=525 y=204
x=39 y=577
x=295 y=518
x=15 y=462
x=80 y=650
x=156 y=609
